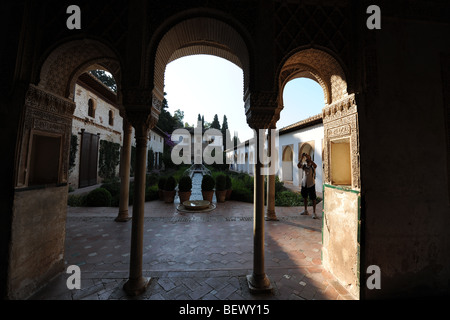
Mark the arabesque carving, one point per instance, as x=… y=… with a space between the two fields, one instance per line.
x=44 y=113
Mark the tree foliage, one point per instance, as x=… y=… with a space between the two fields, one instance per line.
x=215 y=124
x=106 y=78
x=167 y=122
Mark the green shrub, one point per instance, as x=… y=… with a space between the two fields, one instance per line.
x=109 y=159
x=279 y=185
x=288 y=199
x=115 y=201
x=185 y=184
x=99 y=198
x=242 y=194
x=112 y=187
x=229 y=183
x=151 y=193
x=76 y=201
x=162 y=183
x=221 y=182
x=170 y=184
x=152 y=179
x=208 y=183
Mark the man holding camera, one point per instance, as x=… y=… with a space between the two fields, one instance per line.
x=308 y=182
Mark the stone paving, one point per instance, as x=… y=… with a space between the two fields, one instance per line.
x=195 y=256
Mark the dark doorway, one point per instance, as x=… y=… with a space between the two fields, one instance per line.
x=88 y=159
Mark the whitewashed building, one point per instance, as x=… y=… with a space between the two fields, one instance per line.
x=97 y=118
x=305 y=136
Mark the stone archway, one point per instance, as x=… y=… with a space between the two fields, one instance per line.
x=66 y=63
x=341 y=234
x=199 y=35
x=45 y=135
x=204 y=35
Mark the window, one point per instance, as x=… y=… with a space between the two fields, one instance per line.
x=45 y=160
x=91 y=110
x=111 y=118
x=340 y=162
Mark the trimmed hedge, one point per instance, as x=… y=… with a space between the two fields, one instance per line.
x=99 y=198
x=208 y=183
x=221 y=182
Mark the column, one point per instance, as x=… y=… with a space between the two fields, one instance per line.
x=136 y=283
x=258 y=282
x=271 y=152
x=125 y=173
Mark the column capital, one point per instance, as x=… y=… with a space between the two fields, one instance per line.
x=261 y=108
x=142 y=107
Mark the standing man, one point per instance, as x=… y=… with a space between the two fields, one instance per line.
x=308 y=182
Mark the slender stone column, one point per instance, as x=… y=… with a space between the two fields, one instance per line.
x=136 y=283
x=125 y=173
x=258 y=282
x=271 y=215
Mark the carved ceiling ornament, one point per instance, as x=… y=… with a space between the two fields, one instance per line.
x=319 y=66
x=65 y=64
x=201 y=35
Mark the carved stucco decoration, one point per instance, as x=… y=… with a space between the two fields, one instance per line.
x=317 y=65
x=340 y=121
x=200 y=35
x=340 y=115
x=143 y=107
x=44 y=113
x=65 y=64
x=260 y=108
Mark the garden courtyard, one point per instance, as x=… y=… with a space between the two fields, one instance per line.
x=195 y=256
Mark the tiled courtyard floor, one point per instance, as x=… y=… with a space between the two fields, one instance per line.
x=201 y=256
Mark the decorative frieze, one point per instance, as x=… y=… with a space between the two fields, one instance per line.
x=48 y=115
x=341 y=124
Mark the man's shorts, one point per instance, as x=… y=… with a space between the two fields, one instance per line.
x=309 y=193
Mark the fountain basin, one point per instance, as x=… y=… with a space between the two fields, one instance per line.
x=196 y=205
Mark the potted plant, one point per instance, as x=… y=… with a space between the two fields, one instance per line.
x=208 y=188
x=221 y=191
x=229 y=188
x=169 y=190
x=185 y=188
x=161 y=185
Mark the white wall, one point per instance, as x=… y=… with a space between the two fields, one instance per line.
x=296 y=139
x=99 y=124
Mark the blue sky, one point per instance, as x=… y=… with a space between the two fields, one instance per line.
x=210 y=85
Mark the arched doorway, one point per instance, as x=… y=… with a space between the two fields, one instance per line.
x=200 y=35
x=341 y=203
x=43 y=177
x=287 y=164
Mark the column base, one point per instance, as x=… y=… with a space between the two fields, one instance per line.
x=271 y=216
x=259 y=285
x=136 y=287
x=123 y=217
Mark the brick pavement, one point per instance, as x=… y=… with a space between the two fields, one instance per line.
x=194 y=256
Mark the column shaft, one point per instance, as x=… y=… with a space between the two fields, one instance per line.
x=258 y=282
x=271 y=215
x=137 y=284
x=125 y=162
